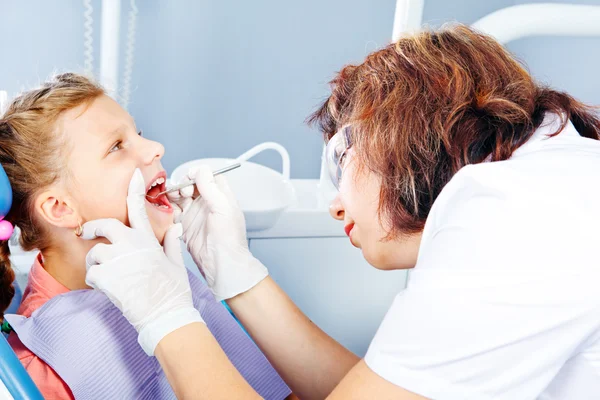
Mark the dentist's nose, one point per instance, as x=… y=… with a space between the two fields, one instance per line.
x=336 y=209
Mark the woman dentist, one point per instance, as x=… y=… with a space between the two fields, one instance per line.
x=450 y=159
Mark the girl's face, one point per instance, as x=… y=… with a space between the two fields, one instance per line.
x=105 y=148
x=357 y=204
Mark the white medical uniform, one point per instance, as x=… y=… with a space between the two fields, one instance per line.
x=504 y=302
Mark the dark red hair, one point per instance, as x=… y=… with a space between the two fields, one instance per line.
x=433 y=102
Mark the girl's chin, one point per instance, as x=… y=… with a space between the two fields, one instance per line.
x=160 y=220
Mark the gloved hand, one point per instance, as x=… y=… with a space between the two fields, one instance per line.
x=214 y=231
x=150 y=286
x=180 y=199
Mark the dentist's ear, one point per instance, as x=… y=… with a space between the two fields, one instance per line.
x=56 y=210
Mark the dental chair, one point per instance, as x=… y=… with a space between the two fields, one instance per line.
x=15 y=382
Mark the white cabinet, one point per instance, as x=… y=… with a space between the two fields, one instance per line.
x=332 y=283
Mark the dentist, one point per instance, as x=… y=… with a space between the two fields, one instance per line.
x=450 y=159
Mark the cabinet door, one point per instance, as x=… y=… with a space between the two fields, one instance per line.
x=332 y=284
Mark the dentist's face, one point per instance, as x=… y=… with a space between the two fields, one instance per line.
x=357 y=206
x=105 y=148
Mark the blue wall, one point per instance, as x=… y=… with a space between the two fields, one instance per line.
x=570 y=64
x=37 y=38
x=213 y=80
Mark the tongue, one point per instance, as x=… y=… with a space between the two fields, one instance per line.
x=153 y=192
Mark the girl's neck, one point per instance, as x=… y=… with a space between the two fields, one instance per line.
x=67 y=265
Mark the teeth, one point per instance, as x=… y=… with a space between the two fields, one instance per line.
x=159 y=205
x=159 y=181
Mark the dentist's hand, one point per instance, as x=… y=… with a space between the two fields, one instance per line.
x=150 y=286
x=214 y=231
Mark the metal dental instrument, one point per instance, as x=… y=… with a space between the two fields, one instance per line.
x=193 y=182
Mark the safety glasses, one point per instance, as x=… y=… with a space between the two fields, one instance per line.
x=335 y=152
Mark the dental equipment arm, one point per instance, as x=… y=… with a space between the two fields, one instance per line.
x=309 y=361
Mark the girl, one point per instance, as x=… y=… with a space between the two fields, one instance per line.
x=69 y=152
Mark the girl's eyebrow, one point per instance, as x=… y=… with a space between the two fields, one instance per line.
x=116 y=132
x=110 y=137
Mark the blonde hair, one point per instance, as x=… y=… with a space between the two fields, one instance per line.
x=32 y=151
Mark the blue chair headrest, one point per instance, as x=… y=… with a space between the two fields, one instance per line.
x=6 y=194
x=6 y=197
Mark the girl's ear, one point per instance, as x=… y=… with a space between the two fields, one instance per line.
x=56 y=210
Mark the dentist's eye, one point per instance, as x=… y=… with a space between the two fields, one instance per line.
x=118 y=146
x=342 y=159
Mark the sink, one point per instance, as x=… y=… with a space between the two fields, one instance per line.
x=262 y=193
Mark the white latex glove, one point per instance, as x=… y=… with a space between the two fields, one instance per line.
x=214 y=231
x=180 y=199
x=150 y=286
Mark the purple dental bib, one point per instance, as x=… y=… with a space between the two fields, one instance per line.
x=94 y=349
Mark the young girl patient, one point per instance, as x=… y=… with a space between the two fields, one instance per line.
x=69 y=152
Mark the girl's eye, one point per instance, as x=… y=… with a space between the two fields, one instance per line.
x=118 y=146
x=140 y=133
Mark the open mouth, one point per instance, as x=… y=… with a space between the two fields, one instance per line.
x=157 y=185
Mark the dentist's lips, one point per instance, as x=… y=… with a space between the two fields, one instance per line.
x=348 y=229
x=161 y=202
